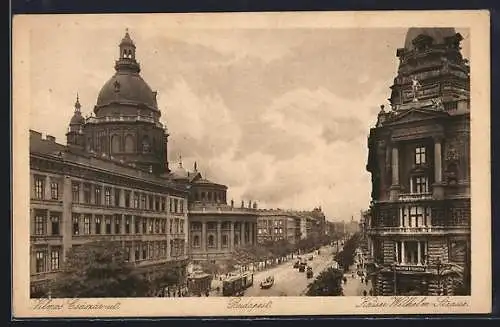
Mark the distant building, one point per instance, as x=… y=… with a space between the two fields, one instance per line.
x=419 y=159
x=276 y=225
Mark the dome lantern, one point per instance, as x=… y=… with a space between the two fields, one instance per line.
x=127 y=60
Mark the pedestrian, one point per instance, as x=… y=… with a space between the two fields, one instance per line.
x=366 y=281
x=364 y=292
x=370 y=292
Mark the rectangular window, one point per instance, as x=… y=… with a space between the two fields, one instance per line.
x=98 y=220
x=171 y=226
x=40 y=226
x=163 y=226
x=75 y=187
x=86 y=193
x=54 y=221
x=97 y=193
x=127 y=225
x=107 y=196
x=177 y=226
x=54 y=259
x=86 y=224
x=421 y=184
x=39 y=187
x=54 y=190
x=143 y=201
x=162 y=204
x=157 y=226
x=181 y=225
x=107 y=223
x=157 y=204
x=150 y=226
x=118 y=220
x=137 y=253
x=171 y=203
x=176 y=205
x=144 y=225
x=76 y=224
x=127 y=253
x=117 y=197
x=127 y=199
x=420 y=155
x=144 y=250
x=181 y=206
x=136 y=201
x=137 y=224
x=151 y=202
x=40 y=261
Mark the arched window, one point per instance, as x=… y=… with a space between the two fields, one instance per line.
x=211 y=241
x=115 y=144
x=196 y=241
x=129 y=144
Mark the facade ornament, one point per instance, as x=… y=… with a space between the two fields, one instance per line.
x=437 y=104
x=415 y=86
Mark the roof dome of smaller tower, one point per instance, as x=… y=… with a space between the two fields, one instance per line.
x=77 y=118
x=438 y=34
x=180 y=172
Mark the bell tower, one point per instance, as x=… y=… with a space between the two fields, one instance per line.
x=75 y=136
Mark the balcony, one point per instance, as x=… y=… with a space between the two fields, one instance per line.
x=422 y=230
x=411 y=197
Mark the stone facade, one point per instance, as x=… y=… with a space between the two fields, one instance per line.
x=419 y=159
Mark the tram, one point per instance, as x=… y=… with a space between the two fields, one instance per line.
x=235 y=285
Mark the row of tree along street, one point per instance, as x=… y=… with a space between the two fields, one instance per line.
x=101 y=269
x=329 y=282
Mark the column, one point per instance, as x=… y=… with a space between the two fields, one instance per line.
x=92 y=193
x=112 y=196
x=122 y=198
x=219 y=236
x=103 y=191
x=48 y=225
x=80 y=191
x=419 y=253
x=401 y=213
x=204 y=236
x=92 y=224
x=132 y=222
x=437 y=161
x=403 y=259
x=46 y=190
x=396 y=251
x=395 y=166
x=242 y=234
x=123 y=225
x=231 y=236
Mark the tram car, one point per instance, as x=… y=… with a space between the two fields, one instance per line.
x=199 y=283
x=237 y=284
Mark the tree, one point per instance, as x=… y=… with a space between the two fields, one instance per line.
x=328 y=283
x=99 y=269
x=345 y=258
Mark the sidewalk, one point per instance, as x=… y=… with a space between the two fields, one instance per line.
x=354 y=285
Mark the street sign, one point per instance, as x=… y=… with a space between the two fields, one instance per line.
x=410 y=268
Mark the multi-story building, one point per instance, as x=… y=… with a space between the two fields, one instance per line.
x=110 y=182
x=419 y=159
x=275 y=225
x=216 y=228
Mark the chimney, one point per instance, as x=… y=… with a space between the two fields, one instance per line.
x=242 y=204
x=50 y=138
x=249 y=204
x=232 y=203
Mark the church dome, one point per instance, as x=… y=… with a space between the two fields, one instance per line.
x=127 y=87
x=438 y=34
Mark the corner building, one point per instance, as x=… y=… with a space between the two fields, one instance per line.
x=419 y=160
x=110 y=182
x=216 y=228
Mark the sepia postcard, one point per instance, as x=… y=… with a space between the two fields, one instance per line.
x=251 y=164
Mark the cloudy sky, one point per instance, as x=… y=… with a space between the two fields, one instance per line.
x=281 y=116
